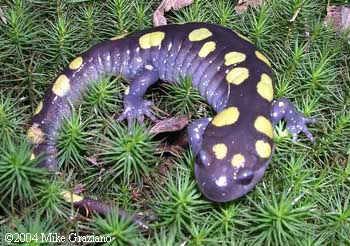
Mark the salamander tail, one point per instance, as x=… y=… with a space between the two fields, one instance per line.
x=65 y=91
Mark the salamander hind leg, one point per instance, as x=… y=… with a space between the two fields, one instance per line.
x=135 y=107
x=296 y=122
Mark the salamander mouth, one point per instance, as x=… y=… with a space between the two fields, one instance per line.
x=224 y=188
x=217 y=188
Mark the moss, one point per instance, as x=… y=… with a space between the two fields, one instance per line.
x=303 y=198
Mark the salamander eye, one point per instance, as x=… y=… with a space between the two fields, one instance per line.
x=245 y=177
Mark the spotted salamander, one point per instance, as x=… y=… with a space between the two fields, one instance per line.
x=232 y=149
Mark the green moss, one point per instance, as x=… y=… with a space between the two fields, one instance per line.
x=122 y=230
x=182 y=98
x=127 y=154
x=303 y=198
x=11 y=119
x=18 y=174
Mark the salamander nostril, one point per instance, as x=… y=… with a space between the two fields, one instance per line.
x=245 y=177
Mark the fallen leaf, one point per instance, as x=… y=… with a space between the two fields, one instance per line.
x=243 y=5
x=2 y=16
x=92 y=160
x=175 y=150
x=296 y=13
x=172 y=124
x=165 y=6
x=339 y=16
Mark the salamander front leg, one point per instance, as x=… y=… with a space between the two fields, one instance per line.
x=135 y=107
x=195 y=133
x=296 y=122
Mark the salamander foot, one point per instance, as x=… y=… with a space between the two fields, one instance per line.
x=296 y=122
x=136 y=108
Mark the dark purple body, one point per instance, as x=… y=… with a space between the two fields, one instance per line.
x=233 y=149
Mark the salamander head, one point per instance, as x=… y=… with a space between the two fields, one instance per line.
x=231 y=161
x=219 y=181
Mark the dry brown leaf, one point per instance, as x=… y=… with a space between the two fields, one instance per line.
x=2 y=16
x=339 y=16
x=165 y=6
x=243 y=5
x=92 y=160
x=172 y=124
x=173 y=149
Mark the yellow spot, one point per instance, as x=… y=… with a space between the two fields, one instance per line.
x=38 y=108
x=234 y=58
x=265 y=88
x=151 y=39
x=220 y=151
x=226 y=117
x=238 y=161
x=149 y=67
x=199 y=34
x=76 y=63
x=35 y=134
x=243 y=37
x=70 y=197
x=119 y=36
x=127 y=90
x=263 y=148
x=61 y=86
x=32 y=156
x=264 y=126
x=262 y=58
x=237 y=75
x=207 y=48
